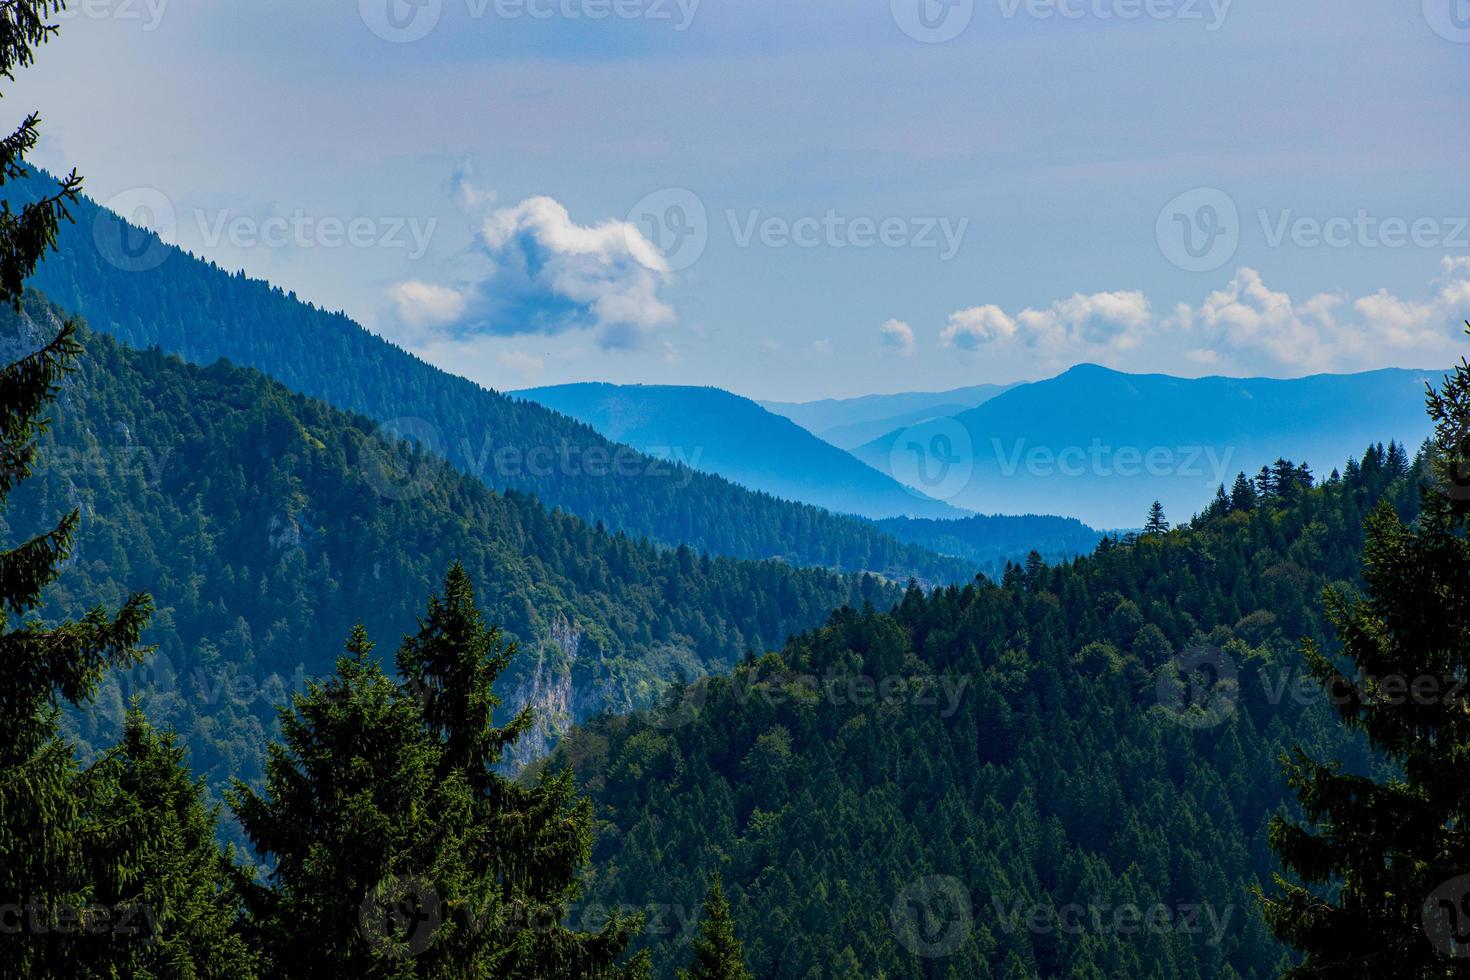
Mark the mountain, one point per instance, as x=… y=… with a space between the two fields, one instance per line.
x=1100 y=445
x=850 y=422
x=1067 y=774
x=989 y=541
x=718 y=432
x=266 y=524
x=128 y=283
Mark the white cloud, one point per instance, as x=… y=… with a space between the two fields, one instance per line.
x=549 y=275
x=979 y=325
x=469 y=195
x=424 y=305
x=898 y=337
x=1246 y=320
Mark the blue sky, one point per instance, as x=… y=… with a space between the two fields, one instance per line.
x=806 y=198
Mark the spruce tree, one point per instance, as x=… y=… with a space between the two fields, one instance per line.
x=157 y=873
x=43 y=819
x=365 y=835
x=1156 y=523
x=717 y=952
x=1381 y=866
x=534 y=839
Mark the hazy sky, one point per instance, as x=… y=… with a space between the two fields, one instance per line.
x=804 y=198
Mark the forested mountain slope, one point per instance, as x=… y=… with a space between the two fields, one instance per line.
x=718 y=432
x=991 y=540
x=1067 y=774
x=147 y=293
x=265 y=524
x=1100 y=445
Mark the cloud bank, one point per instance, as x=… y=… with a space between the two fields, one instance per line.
x=1245 y=321
x=547 y=275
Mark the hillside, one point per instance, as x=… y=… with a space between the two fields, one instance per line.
x=989 y=541
x=1006 y=780
x=1100 y=445
x=722 y=433
x=199 y=311
x=266 y=524
x=850 y=422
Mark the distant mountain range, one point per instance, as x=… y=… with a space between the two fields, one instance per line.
x=718 y=432
x=1100 y=445
x=130 y=284
x=850 y=422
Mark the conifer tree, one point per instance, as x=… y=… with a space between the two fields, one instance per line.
x=1156 y=523
x=42 y=814
x=532 y=840
x=717 y=952
x=1381 y=865
x=157 y=873
x=366 y=835
x=1242 y=493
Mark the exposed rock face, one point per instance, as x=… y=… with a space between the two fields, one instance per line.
x=559 y=691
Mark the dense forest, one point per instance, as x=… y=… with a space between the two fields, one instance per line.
x=199 y=311
x=257 y=520
x=991 y=541
x=1091 y=740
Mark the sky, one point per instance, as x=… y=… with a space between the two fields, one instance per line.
x=798 y=199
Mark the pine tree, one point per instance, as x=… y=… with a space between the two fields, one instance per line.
x=43 y=819
x=531 y=840
x=1242 y=493
x=1382 y=866
x=158 y=874
x=25 y=25
x=1156 y=523
x=366 y=835
x=717 y=953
